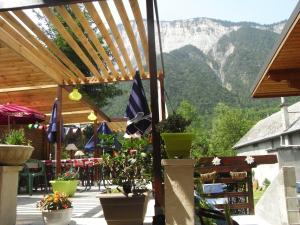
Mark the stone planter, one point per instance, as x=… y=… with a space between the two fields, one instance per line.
x=64 y=186
x=121 y=210
x=14 y=155
x=57 y=217
x=178 y=144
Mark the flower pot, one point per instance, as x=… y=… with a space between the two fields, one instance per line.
x=121 y=210
x=14 y=155
x=64 y=186
x=57 y=217
x=178 y=144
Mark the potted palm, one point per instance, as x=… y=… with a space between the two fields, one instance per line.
x=173 y=132
x=66 y=183
x=16 y=149
x=130 y=170
x=56 y=209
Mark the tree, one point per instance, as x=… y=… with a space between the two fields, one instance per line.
x=228 y=126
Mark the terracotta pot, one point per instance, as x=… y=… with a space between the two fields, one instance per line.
x=121 y=210
x=64 y=186
x=57 y=217
x=178 y=144
x=14 y=155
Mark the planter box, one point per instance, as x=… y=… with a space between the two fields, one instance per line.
x=57 y=217
x=14 y=155
x=178 y=144
x=64 y=186
x=121 y=210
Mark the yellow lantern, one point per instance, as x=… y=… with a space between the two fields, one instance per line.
x=92 y=116
x=75 y=95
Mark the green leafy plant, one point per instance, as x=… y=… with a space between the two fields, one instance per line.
x=54 y=201
x=71 y=174
x=16 y=137
x=130 y=167
x=175 y=123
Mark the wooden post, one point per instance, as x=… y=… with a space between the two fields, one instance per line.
x=162 y=95
x=250 y=192
x=58 y=131
x=158 y=192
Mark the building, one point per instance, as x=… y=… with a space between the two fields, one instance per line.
x=277 y=134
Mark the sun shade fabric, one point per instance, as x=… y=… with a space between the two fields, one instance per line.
x=52 y=129
x=19 y=114
x=137 y=110
x=102 y=129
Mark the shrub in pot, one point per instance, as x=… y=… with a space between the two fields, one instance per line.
x=16 y=150
x=177 y=142
x=129 y=169
x=56 y=209
x=66 y=183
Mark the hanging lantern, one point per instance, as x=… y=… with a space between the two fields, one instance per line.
x=36 y=125
x=30 y=126
x=75 y=95
x=92 y=116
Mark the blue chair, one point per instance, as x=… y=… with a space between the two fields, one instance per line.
x=33 y=169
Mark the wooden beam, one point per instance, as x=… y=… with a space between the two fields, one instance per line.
x=37 y=47
x=94 y=39
x=126 y=23
x=10 y=37
x=105 y=34
x=69 y=39
x=114 y=29
x=141 y=28
x=284 y=74
x=83 y=39
x=28 y=88
x=59 y=54
x=158 y=195
x=30 y=4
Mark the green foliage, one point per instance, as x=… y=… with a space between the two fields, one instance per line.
x=131 y=167
x=175 y=123
x=16 y=137
x=229 y=125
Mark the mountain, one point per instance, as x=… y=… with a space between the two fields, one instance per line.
x=209 y=61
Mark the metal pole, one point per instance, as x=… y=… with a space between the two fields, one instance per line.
x=158 y=194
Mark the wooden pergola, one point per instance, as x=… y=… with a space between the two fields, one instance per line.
x=280 y=76
x=33 y=70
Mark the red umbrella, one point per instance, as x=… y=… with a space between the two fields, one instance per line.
x=19 y=114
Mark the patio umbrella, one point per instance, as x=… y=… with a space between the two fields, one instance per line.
x=102 y=129
x=52 y=129
x=137 y=110
x=19 y=114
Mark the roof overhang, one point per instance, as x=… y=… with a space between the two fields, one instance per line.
x=280 y=76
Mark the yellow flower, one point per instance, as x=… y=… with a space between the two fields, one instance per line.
x=55 y=200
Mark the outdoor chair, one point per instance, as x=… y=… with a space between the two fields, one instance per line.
x=34 y=170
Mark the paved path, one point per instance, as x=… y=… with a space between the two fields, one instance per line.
x=87 y=209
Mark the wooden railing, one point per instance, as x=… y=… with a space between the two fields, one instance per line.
x=239 y=190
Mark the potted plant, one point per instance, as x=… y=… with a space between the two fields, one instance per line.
x=66 y=183
x=56 y=209
x=177 y=142
x=130 y=170
x=16 y=149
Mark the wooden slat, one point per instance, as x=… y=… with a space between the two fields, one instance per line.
x=234 y=206
x=35 y=29
x=225 y=194
x=114 y=29
x=26 y=4
x=69 y=39
x=8 y=36
x=37 y=47
x=140 y=26
x=105 y=34
x=82 y=38
x=126 y=22
x=85 y=24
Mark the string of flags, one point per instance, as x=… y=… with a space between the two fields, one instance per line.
x=37 y=126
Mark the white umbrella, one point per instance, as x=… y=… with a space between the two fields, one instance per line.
x=79 y=153
x=71 y=147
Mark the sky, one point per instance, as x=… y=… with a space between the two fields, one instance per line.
x=260 y=11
